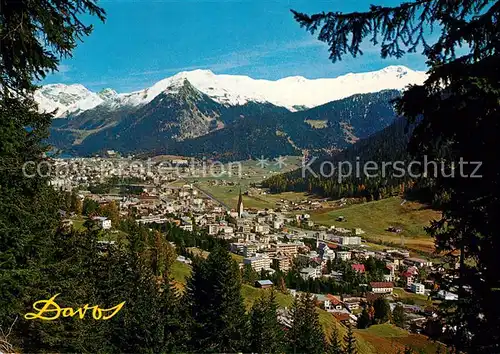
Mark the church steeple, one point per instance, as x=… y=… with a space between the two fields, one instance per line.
x=239 y=207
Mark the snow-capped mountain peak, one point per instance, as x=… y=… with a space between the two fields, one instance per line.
x=66 y=99
x=107 y=93
x=288 y=92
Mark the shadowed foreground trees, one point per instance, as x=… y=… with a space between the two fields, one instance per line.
x=306 y=334
x=219 y=322
x=33 y=262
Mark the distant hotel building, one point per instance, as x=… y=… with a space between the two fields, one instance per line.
x=349 y=240
x=283 y=263
x=258 y=263
x=287 y=249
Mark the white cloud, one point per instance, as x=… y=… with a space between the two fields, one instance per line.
x=63 y=68
x=238 y=59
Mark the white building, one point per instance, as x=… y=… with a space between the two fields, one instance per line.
x=382 y=287
x=283 y=263
x=213 y=229
x=417 y=288
x=446 y=295
x=349 y=240
x=418 y=262
x=357 y=231
x=259 y=262
x=183 y=259
x=261 y=228
x=237 y=247
x=277 y=224
x=104 y=222
x=249 y=250
x=226 y=229
x=344 y=255
x=287 y=249
x=310 y=273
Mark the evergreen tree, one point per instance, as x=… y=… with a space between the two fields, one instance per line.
x=249 y=275
x=399 y=316
x=306 y=334
x=266 y=334
x=364 y=320
x=33 y=263
x=162 y=254
x=456 y=114
x=219 y=322
x=75 y=204
x=350 y=342
x=89 y=207
x=138 y=325
x=38 y=259
x=173 y=316
x=334 y=345
x=65 y=270
x=112 y=212
x=382 y=310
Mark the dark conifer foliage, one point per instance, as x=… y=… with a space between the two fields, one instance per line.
x=266 y=334
x=458 y=107
x=317 y=176
x=334 y=345
x=219 y=322
x=350 y=342
x=399 y=316
x=306 y=334
x=36 y=34
x=364 y=320
x=33 y=34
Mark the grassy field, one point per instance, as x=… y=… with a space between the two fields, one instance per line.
x=418 y=299
x=374 y=218
x=250 y=294
x=229 y=196
x=78 y=223
x=247 y=171
x=243 y=174
x=199 y=252
x=180 y=272
x=386 y=338
x=374 y=340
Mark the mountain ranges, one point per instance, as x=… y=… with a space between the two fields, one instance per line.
x=190 y=123
x=179 y=118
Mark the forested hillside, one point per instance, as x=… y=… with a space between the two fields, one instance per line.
x=187 y=122
x=389 y=145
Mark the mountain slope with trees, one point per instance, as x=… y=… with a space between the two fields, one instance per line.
x=184 y=121
x=388 y=145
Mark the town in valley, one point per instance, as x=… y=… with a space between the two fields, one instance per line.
x=344 y=271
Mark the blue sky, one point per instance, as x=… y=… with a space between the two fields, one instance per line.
x=144 y=41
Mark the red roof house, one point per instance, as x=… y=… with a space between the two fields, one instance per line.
x=360 y=268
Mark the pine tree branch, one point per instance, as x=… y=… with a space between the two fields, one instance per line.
x=401 y=29
x=345 y=32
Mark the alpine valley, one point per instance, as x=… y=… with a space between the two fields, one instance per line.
x=199 y=113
